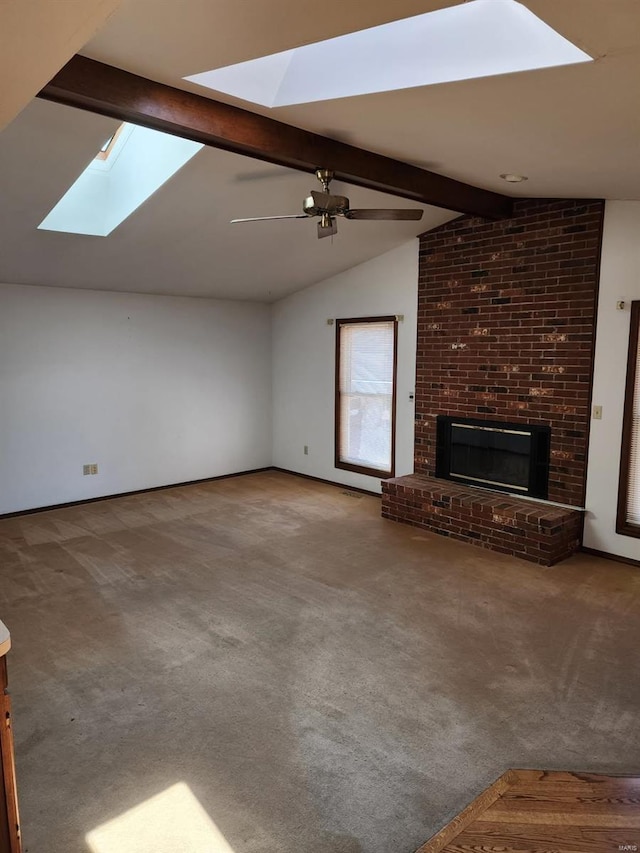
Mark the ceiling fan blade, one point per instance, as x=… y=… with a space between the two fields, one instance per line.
x=265 y=218
x=378 y=213
x=327 y=230
x=264 y=174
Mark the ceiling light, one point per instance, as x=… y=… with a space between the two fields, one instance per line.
x=514 y=179
x=477 y=39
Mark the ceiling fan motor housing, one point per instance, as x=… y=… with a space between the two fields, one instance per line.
x=318 y=203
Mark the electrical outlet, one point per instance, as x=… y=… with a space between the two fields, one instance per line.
x=597 y=413
x=306 y=450
x=90 y=469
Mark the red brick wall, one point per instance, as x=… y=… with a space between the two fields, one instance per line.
x=506 y=316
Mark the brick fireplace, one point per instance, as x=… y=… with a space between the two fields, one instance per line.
x=506 y=321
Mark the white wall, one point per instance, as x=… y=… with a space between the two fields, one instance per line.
x=160 y=389
x=155 y=389
x=304 y=362
x=619 y=280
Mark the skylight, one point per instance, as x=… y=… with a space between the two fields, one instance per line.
x=481 y=38
x=129 y=167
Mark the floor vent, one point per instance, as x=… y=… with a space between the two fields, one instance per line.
x=352 y=495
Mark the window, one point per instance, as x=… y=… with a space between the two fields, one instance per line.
x=629 y=491
x=366 y=395
x=107 y=149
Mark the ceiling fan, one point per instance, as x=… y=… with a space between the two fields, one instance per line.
x=328 y=207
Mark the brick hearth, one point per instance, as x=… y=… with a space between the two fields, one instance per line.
x=538 y=532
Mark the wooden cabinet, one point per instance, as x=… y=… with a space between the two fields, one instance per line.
x=9 y=823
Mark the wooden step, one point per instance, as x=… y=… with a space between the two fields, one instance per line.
x=539 y=811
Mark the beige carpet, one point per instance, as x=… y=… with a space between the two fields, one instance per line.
x=263 y=664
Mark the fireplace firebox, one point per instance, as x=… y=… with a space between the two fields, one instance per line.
x=505 y=457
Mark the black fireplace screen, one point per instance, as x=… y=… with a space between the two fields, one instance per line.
x=502 y=456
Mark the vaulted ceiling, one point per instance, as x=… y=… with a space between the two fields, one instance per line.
x=574 y=131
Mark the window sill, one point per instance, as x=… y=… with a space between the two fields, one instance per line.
x=360 y=469
x=625 y=529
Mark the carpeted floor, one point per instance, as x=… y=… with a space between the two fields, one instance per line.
x=317 y=679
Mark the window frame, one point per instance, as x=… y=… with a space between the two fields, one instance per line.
x=622 y=525
x=348 y=466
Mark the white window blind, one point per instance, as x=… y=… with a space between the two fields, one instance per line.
x=366 y=378
x=633 y=482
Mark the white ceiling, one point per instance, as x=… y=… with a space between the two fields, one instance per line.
x=574 y=131
x=180 y=240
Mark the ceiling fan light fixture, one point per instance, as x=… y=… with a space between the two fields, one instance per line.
x=327 y=226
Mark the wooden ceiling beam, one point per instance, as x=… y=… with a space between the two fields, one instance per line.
x=94 y=86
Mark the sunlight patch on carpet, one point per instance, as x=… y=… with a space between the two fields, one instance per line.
x=170 y=821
